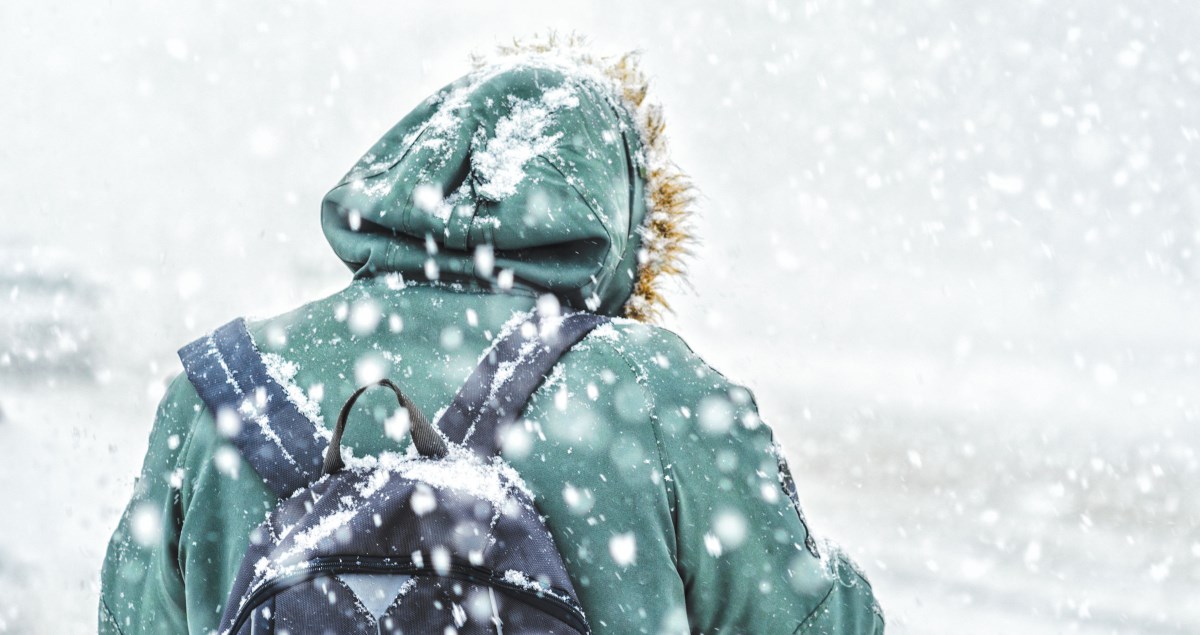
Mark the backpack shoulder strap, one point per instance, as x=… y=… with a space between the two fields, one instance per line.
x=273 y=436
x=513 y=368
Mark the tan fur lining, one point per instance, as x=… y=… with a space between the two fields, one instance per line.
x=666 y=233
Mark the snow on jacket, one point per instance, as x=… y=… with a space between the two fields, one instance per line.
x=537 y=181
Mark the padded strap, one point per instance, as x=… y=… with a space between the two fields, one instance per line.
x=274 y=437
x=516 y=365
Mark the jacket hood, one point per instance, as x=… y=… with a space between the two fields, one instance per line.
x=544 y=169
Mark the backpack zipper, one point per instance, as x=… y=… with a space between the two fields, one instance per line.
x=564 y=611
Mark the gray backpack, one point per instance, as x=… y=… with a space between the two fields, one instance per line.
x=443 y=540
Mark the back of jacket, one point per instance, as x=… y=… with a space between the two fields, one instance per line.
x=660 y=484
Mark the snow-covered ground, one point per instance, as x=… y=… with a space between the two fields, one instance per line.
x=951 y=247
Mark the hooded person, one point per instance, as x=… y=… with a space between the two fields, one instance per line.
x=539 y=182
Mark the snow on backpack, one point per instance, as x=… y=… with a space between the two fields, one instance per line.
x=446 y=541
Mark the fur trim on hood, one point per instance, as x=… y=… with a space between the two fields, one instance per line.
x=667 y=232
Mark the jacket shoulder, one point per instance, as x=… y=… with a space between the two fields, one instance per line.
x=661 y=358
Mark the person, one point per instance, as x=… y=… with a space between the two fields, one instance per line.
x=539 y=182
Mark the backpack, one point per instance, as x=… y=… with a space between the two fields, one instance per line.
x=445 y=539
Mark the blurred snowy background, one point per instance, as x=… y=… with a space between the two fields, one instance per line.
x=952 y=246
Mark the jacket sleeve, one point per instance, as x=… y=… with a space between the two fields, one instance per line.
x=141 y=586
x=745 y=553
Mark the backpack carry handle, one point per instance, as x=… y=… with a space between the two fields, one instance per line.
x=427 y=440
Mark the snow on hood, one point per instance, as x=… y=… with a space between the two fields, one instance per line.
x=544 y=169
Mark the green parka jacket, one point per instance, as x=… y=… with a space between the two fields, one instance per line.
x=529 y=184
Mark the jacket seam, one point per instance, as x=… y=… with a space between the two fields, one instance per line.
x=805 y=622
x=597 y=214
x=668 y=478
x=108 y=615
x=861 y=580
x=181 y=464
x=399 y=157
